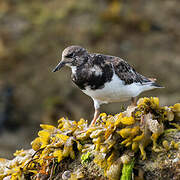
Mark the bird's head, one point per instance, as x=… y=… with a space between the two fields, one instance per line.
x=72 y=56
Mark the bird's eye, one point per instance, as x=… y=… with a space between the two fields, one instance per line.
x=71 y=55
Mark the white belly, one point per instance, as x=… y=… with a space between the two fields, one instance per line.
x=116 y=91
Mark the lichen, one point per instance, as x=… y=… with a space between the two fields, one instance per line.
x=106 y=144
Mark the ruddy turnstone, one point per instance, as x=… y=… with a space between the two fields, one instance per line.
x=104 y=78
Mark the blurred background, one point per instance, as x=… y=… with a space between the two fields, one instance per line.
x=33 y=35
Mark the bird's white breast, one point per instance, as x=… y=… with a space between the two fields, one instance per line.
x=116 y=91
x=73 y=68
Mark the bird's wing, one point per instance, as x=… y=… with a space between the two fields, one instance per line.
x=127 y=73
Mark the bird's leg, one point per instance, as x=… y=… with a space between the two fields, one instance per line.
x=96 y=114
x=133 y=101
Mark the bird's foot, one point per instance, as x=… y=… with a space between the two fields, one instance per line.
x=93 y=122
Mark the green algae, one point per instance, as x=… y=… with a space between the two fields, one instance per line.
x=127 y=170
x=85 y=158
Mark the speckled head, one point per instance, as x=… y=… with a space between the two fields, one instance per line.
x=72 y=56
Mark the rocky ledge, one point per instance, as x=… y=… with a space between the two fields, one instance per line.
x=140 y=143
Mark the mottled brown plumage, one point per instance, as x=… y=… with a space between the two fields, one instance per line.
x=104 y=78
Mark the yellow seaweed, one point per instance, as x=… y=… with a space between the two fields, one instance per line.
x=63 y=137
x=125 y=132
x=138 y=138
x=47 y=127
x=131 y=130
x=58 y=153
x=36 y=144
x=127 y=120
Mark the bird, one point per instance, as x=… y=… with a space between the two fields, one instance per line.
x=105 y=78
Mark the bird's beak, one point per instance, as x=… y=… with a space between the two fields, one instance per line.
x=59 y=66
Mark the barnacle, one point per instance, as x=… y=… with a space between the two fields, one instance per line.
x=104 y=143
